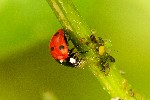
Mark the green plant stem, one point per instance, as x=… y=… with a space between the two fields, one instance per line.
x=79 y=32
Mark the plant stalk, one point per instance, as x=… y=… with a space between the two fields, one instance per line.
x=79 y=32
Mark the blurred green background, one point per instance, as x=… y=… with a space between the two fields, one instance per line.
x=27 y=71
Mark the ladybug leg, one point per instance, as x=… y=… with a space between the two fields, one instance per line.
x=71 y=50
x=83 y=51
x=75 y=55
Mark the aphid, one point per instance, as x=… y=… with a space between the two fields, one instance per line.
x=100 y=44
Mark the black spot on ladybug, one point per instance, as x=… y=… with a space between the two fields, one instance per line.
x=56 y=33
x=61 y=47
x=52 y=48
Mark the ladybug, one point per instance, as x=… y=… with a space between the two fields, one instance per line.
x=60 y=51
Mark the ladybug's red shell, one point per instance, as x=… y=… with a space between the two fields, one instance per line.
x=58 y=46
